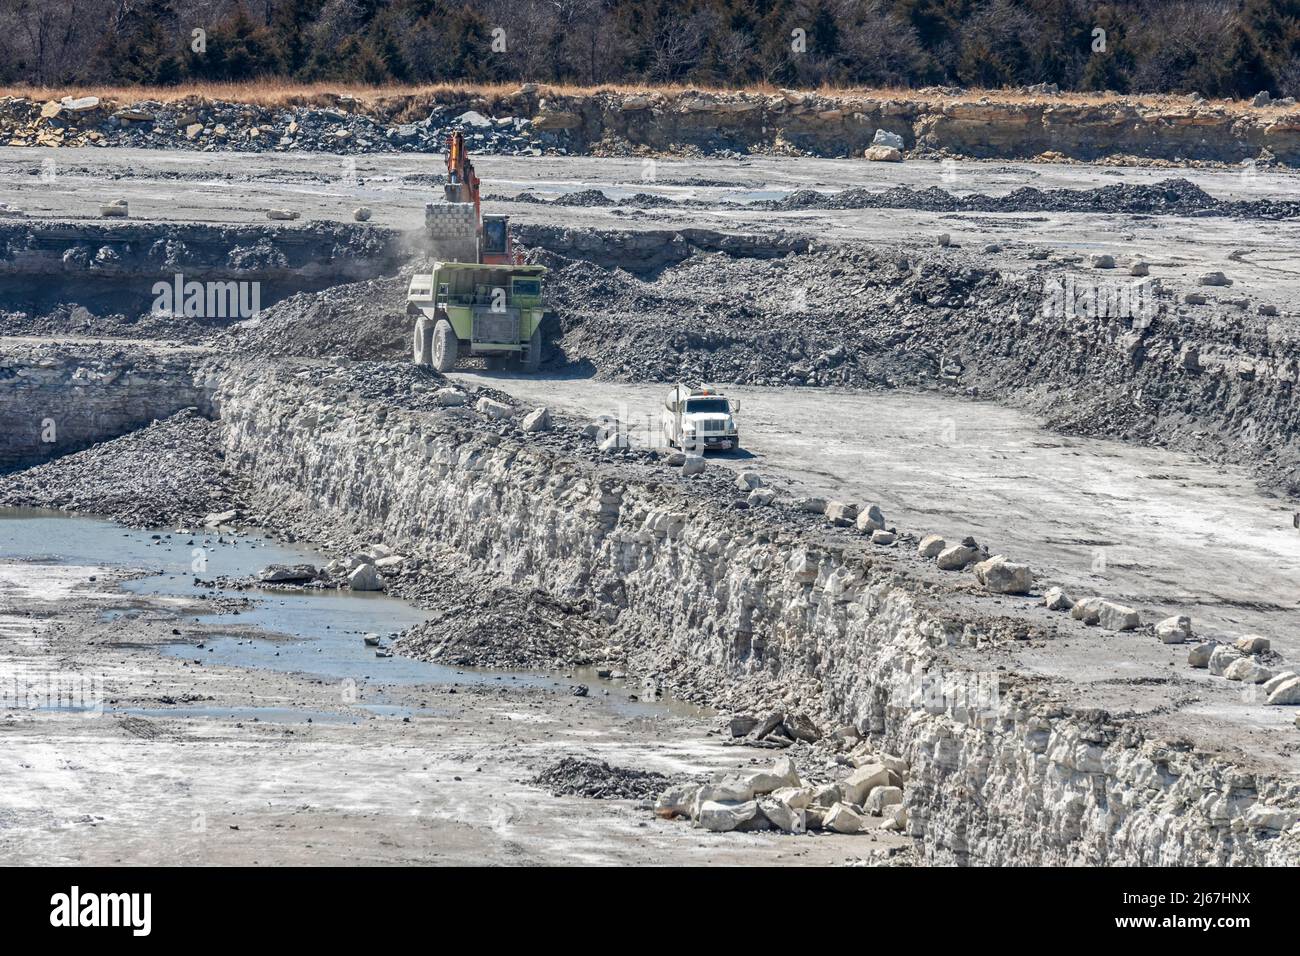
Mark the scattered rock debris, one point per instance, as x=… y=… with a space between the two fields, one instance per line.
x=168 y=474
x=597 y=780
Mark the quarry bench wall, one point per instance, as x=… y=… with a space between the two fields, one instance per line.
x=54 y=401
x=698 y=592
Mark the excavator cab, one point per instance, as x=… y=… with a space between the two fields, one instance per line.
x=495 y=244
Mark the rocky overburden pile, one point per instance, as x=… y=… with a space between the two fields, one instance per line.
x=169 y=474
x=357 y=320
x=1168 y=197
x=1038 y=123
x=778 y=799
x=209 y=125
x=1212 y=373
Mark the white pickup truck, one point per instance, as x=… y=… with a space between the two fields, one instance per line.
x=699 y=419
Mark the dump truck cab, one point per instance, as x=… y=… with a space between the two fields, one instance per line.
x=700 y=419
x=477 y=309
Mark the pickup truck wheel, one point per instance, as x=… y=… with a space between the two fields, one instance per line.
x=445 y=346
x=422 y=343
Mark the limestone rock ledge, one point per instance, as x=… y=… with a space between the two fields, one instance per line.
x=1005 y=769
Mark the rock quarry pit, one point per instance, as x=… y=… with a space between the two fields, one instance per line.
x=884 y=629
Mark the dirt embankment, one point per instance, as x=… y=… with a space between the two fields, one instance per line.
x=1095 y=353
x=533 y=119
x=121 y=268
x=1169 y=197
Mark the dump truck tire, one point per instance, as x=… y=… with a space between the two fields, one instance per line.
x=422 y=342
x=533 y=360
x=445 y=346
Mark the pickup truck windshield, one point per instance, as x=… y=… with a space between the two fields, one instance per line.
x=707 y=405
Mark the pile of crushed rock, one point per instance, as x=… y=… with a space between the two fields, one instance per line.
x=358 y=320
x=1168 y=197
x=214 y=125
x=467 y=627
x=847 y=316
x=867 y=795
x=169 y=474
x=596 y=779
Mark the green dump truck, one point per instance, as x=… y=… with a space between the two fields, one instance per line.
x=477 y=309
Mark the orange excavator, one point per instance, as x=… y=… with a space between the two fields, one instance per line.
x=493 y=232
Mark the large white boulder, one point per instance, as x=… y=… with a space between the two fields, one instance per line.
x=1175 y=630
x=1199 y=656
x=881 y=798
x=364 y=577
x=1276 y=681
x=784 y=817
x=538 y=420
x=883 y=154
x=677 y=801
x=1222 y=658
x=733 y=788
x=720 y=816
x=1087 y=610
x=895 y=818
x=871 y=519
x=1055 y=599
x=841 y=513
x=1252 y=644
x=844 y=819
x=931 y=545
x=1287 y=692
x=1248 y=671
x=956 y=557
x=796 y=798
x=884 y=137
x=1117 y=617
x=782 y=775
x=1001 y=576
x=1109 y=614
x=856 y=786
x=492 y=408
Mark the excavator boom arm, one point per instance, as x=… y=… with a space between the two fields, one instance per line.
x=462 y=183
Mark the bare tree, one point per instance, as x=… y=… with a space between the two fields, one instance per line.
x=877 y=47
x=673 y=46
x=1184 y=47
x=50 y=38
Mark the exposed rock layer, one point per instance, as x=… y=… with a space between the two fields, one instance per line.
x=731 y=601
x=968 y=124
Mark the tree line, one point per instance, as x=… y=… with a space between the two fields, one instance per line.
x=1215 y=47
